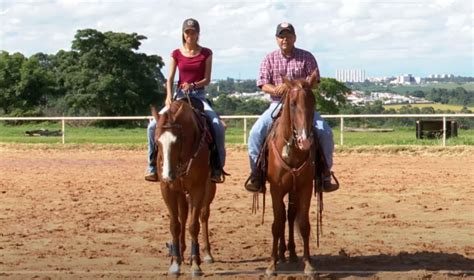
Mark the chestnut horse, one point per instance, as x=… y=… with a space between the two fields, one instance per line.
x=183 y=163
x=291 y=170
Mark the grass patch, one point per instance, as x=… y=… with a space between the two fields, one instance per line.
x=444 y=107
x=136 y=137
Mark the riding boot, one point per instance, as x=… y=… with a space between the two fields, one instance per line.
x=153 y=176
x=217 y=173
x=328 y=186
x=254 y=182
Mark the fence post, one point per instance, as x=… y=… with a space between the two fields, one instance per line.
x=245 y=130
x=444 y=131
x=342 y=130
x=62 y=129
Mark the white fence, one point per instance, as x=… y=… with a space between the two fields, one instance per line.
x=245 y=118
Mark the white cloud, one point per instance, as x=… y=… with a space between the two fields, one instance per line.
x=341 y=33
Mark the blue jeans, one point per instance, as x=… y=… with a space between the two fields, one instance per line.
x=216 y=124
x=260 y=130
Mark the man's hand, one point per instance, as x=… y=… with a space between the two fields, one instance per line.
x=280 y=89
x=314 y=78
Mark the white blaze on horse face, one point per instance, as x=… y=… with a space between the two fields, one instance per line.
x=166 y=139
x=304 y=143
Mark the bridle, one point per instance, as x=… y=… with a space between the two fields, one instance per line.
x=183 y=166
x=294 y=132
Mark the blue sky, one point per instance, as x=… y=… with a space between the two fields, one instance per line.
x=383 y=37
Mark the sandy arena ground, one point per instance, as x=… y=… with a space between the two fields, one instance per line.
x=81 y=213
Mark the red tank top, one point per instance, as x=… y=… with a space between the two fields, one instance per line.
x=191 y=69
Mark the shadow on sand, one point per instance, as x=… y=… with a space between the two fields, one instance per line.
x=343 y=266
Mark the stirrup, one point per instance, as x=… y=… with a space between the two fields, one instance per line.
x=331 y=187
x=220 y=178
x=253 y=185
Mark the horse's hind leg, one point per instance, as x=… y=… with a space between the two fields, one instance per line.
x=291 y=226
x=205 y=213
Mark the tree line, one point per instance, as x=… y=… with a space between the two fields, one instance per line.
x=102 y=75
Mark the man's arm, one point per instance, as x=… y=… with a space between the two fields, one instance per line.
x=275 y=90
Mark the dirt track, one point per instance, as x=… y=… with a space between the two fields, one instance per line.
x=67 y=213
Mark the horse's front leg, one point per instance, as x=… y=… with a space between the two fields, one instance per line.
x=195 y=199
x=205 y=213
x=183 y=217
x=171 y=200
x=304 y=198
x=291 y=226
x=278 y=228
x=282 y=243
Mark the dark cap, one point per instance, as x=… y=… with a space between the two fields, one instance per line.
x=285 y=26
x=191 y=23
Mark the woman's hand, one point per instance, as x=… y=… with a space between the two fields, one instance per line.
x=168 y=101
x=186 y=86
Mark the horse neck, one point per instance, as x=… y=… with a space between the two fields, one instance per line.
x=188 y=121
x=284 y=129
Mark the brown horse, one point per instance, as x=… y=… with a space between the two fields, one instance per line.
x=291 y=170
x=183 y=157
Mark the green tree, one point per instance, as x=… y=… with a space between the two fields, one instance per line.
x=24 y=83
x=330 y=96
x=105 y=75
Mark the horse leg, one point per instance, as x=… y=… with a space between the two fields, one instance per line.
x=291 y=226
x=282 y=243
x=277 y=227
x=171 y=200
x=205 y=213
x=183 y=217
x=196 y=198
x=304 y=199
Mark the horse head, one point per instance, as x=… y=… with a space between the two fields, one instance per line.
x=173 y=125
x=300 y=102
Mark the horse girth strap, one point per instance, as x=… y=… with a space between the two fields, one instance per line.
x=294 y=171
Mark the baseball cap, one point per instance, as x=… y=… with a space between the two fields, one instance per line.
x=191 y=23
x=285 y=26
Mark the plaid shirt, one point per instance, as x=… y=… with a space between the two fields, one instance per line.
x=275 y=64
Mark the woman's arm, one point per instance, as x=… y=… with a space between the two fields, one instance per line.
x=207 y=74
x=170 y=82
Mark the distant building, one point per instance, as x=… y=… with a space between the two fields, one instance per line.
x=350 y=75
x=406 y=79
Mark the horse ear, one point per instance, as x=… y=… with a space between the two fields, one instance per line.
x=314 y=78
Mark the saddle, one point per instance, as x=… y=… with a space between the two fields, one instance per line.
x=198 y=108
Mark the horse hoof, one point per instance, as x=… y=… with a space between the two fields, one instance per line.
x=196 y=272
x=270 y=272
x=309 y=271
x=208 y=259
x=174 y=269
